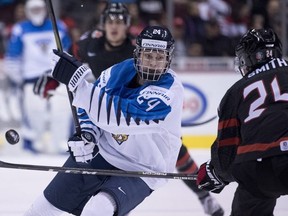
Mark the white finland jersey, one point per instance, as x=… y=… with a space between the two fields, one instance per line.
x=29 y=49
x=140 y=127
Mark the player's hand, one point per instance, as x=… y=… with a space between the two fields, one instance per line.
x=83 y=147
x=44 y=84
x=68 y=70
x=208 y=180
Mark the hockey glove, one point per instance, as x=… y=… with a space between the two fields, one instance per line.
x=68 y=70
x=208 y=180
x=83 y=148
x=44 y=84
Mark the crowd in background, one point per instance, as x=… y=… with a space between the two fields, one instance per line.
x=201 y=27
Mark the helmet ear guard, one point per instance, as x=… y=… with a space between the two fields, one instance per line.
x=256 y=47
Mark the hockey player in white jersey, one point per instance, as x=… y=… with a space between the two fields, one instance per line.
x=130 y=120
x=28 y=56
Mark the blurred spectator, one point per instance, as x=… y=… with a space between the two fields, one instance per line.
x=257 y=21
x=273 y=11
x=195 y=49
x=215 y=43
x=195 y=25
x=2 y=40
x=153 y=12
x=236 y=23
x=180 y=7
x=179 y=37
x=213 y=9
x=84 y=13
x=273 y=15
x=73 y=28
x=19 y=12
x=258 y=7
x=137 y=24
x=28 y=57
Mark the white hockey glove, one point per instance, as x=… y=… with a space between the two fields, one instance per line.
x=83 y=148
x=44 y=84
x=68 y=70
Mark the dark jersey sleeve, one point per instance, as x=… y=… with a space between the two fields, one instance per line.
x=223 y=150
x=253 y=116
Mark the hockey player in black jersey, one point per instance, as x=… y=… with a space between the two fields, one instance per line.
x=102 y=49
x=252 y=143
x=111 y=44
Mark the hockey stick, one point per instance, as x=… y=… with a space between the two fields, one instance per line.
x=87 y=171
x=192 y=124
x=59 y=47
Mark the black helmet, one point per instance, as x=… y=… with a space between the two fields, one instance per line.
x=256 y=47
x=153 y=39
x=115 y=10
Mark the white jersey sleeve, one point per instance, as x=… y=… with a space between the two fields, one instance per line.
x=140 y=126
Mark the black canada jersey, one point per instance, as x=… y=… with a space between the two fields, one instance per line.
x=253 y=117
x=90 y=49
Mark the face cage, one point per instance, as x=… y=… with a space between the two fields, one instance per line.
x=147 y=73
x=239 y=68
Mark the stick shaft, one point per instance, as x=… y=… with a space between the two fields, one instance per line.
x=60 y=48
x=87 y=171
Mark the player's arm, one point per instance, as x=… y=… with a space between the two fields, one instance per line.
x=215 y=174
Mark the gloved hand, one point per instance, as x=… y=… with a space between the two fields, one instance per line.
x=83 y=148
x=68 y=70
x=44 y=84
x=208 y=180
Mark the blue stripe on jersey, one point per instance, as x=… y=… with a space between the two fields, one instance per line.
x=85 y=123
x=127 y=100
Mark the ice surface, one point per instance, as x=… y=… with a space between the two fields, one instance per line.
x=19 y=188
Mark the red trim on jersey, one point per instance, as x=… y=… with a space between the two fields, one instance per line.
x=259 y=146
x=192 y=169
x=183 y=160
x=228 y=123
x=229 y=142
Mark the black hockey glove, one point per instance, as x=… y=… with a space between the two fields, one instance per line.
x=83 y=148
x=68 y=70
x=208 y=180
x=44 y=85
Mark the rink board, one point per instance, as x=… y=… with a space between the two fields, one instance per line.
x=203 y=91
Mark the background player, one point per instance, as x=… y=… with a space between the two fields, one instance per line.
x=28 y=56
x=251 y=146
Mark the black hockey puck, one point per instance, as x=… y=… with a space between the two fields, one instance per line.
x=12 y=136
